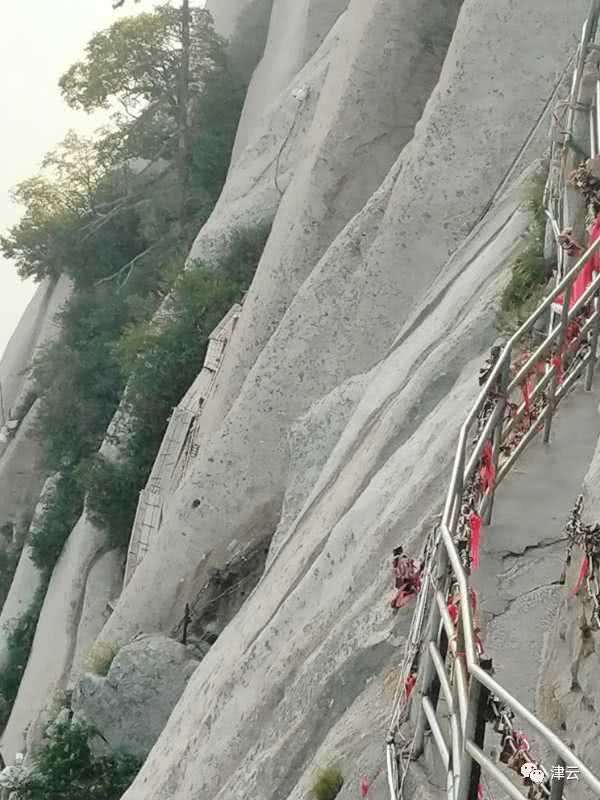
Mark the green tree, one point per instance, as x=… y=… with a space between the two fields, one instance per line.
x=56 y=233
x=137 y=64
x=67 y=769
x=60 y=515
x=161 y=365
x=153 y=66
x=20 y=639
x=79 y=378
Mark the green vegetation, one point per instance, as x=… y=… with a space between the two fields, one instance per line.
x=101 y=658
x=106 y=206
x=12 y=540
x=328 y=784
x=161 y=365
x=530 y=271
x=116 y=213
x=20 y=640
x=61 y=513
x=67 y=768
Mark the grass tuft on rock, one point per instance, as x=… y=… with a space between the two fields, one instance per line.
x=328 y=784
x=530 y=270
x=101 y=658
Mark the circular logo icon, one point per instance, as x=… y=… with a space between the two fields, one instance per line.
x=533 y=772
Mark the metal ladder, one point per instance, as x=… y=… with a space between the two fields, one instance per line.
x=449 y=661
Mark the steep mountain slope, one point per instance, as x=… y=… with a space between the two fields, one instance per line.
x=368 y=280
x=312 y=645
x=21 y=473
x=389 y=143
x=568 y=691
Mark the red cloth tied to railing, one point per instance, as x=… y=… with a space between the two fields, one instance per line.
x=487 y=473
x=453 y=603
x=583 y=571
x=475 y=538
x=453 y=611
x=591 y=268
x=409 y=685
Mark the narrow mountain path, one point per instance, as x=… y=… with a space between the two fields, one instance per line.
x=522 y=552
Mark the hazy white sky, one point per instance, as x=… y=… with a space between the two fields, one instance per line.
x=39 y=39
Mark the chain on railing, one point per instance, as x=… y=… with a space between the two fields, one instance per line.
x=586 y=537
x=540 y=374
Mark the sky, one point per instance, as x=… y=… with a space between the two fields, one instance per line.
x=39 y=40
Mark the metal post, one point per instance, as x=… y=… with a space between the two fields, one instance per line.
x=428 y=673
x=479 y=733
x=557 y=785
x=596 y=121
x=593 y=346
x=434 y=692
x=467 y=764
x=428 y=667
x=187 y=618
x=564 y=318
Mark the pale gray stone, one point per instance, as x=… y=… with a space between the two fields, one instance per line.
x=131 y=705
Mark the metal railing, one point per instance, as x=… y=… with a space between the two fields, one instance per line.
x=452 y=642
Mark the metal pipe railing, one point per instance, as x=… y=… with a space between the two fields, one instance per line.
x=462 y=690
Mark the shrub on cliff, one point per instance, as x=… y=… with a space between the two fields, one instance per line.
x=20 y=639
x=12 y=540
x=328 y=784
x=530 y=270
x=66 y=767
x=78 y=377
x=108 y=211
x=59 y=517
x=161 y=364
x=112 y=491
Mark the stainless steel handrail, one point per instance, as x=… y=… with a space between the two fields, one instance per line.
x=462 y=699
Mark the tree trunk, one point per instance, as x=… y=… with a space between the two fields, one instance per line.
x=184 y=102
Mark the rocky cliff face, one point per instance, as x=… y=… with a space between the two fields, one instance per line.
x=19 y=454
x=368 y=280
x=389 y=144
x=22 y=477
x=569 y=690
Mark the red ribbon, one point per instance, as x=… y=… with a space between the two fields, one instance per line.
x=364 y=787
x=475 y=525
x=583 y=571
x=453 y=611
x=409 y=685
x=487 y=473
x=521 y=742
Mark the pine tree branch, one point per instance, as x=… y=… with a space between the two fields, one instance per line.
x=129 y=266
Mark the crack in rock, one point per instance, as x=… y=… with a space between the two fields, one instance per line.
x=510 y=602
x=538 y=546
